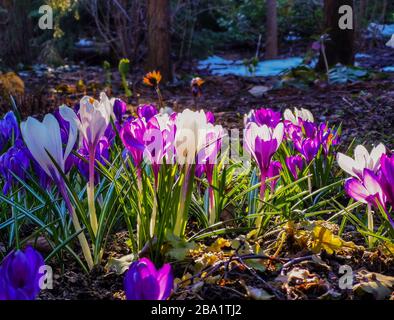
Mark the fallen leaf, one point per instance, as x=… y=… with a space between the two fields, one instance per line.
x=319 y=236
x=219 y=244
x=257 y=293
x=120 y=265
x=179 y=248
x=206 y=260
x=322 y=238
x=376 y=284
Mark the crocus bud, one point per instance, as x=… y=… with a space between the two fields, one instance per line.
x=144 y=282
x=196 y=85
x=295 y=164
x=147 y=111
x=20 y=275
x=120 y=109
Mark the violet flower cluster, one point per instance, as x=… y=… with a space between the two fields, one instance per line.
x=158 y=138
x=308 y=137
x=14 y=156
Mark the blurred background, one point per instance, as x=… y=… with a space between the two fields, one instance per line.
x=250 y=52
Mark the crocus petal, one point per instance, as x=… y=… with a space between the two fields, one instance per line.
x=278 y=133
x=361 y=156
x=69 y=115
x=355 y=189
x=371 y=182
x=54 y=139
x=376 y=154
x=307 y=115
x=288 y=115
x=165 y=280
x=346 y=163
x=35 y=136
x=387 y=177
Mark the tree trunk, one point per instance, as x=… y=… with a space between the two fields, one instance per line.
x=272 y=31
x=159 y=38
x=361 y=12
x=340 y=47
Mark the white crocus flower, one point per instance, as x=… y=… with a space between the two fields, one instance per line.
x=303 y=114
x=362 y=160
x=163 y=121
x=94 y=118
x=390 y=43
x=192 y=134
x=43 y=138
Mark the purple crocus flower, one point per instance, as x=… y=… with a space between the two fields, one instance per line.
x=64 y=126
x=144 y=282
x=366 y=190
x=327 y=137
x=264 y=151
x=262 y=142
x=9 y=129
x=369 y=191
x=295 y=164
x=273 y=171
x=294 y=134
x=16 y=160
x=387 y=177
x=310 y=148
x=20 y=275
x=132 y=135
x=207 y=157
x=264 y=116
x=310 y=129
x=147 y=111
x=120 y=108
x=110 y=133
x=102 y=155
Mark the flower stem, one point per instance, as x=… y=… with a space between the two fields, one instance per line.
x=181 y=218
x=263 y=178
x=325 y=57
x=259 y=219
x=161 y=103
x=154 y=215
x=370 y=224
x=81 y=236
x=212 y=208
x=139 y=214
x=309 y=184
x=90 y=191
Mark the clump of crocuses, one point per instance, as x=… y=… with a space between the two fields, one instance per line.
x=20 y=275
x=144 y=282
x=372 y=178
